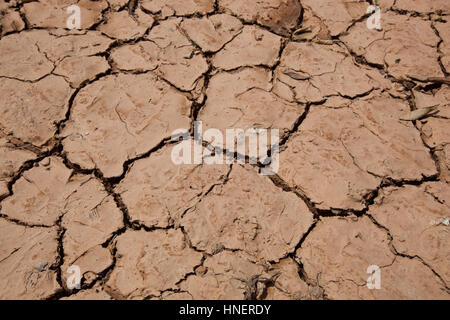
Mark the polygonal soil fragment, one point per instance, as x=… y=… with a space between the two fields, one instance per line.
x=39 y=196
x=312 y=27
x=444 y=33
x=403 y=39
x=96 y=293
x=52 y=13
x=62 y=45
x=212 y=33
x=179 y=8
x=338 y=252
x=157 y=192
x=92 y=263
x=414 y=217
x=29 y=111
x=423 y=6
x=439 y=191
x=74 y=55
x=142 y=56
x=120 y=117
x=337 y=15
x=386 y=146
x=151 y=262
x=435 y=129
x=80 y=69
x=182 y=65
x=22 y=59
x=313 y=72
x=175 y=296
x=28 y=257
x=406 y=279
x=225 y=275
x=10 y=21
x=46 y=192
x=287 y=283
x=252 y=47
x=121 y=25
x=439 y=98
x=91 y=217
x=10 y=162
x=248 y=213
x=243 y=100
x=179 y=61
x=337 y=160
x=116 y=5
x=68 y=55
x=317 y=163
x=443 y=157
x=278 y=16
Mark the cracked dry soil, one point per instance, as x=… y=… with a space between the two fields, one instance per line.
x=86 y=177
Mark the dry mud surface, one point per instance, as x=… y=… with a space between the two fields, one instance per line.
x=86 y=176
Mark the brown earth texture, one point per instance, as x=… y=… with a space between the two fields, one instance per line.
x=87 y=178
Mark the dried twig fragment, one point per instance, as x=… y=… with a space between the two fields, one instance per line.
x=417 y=114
